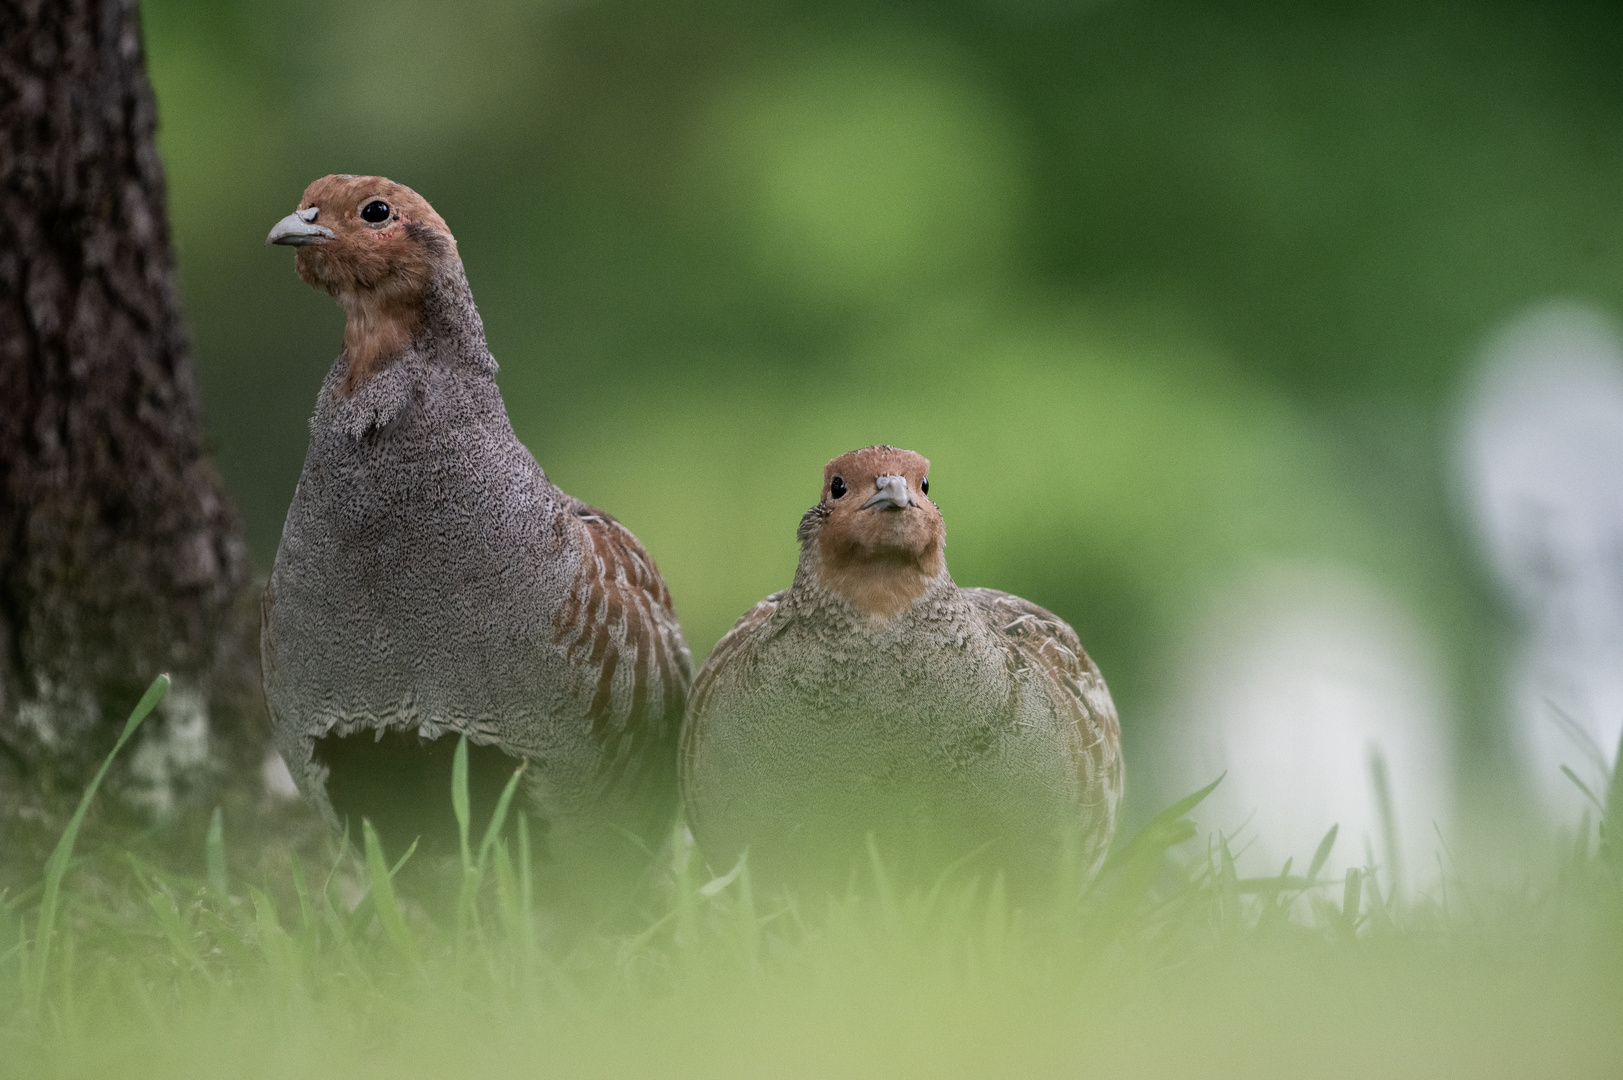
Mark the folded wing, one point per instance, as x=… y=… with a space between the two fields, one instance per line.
x=1035 y=639
x=617 y=620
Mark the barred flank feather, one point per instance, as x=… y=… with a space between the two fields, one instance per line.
x=619 y=613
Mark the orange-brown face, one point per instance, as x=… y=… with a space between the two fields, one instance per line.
x=365 y=235
x=374 y=245
x=878 y=520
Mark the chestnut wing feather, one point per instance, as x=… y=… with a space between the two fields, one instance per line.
x=1035 y=638
x=619 y=615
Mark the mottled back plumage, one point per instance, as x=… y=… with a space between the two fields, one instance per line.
x=432 y=582
x=876 y=696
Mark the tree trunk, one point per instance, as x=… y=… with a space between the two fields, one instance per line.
x=120 y=555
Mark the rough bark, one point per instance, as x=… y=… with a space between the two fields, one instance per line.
x=120 y=555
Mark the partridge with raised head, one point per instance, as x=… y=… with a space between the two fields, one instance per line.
x=876 y=697
x=432 y=582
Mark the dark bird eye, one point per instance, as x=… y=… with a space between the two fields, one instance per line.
x=836 y=487
x=375 y=211
x=924 y=485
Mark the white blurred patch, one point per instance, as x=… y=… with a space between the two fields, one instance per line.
x=173 y=749
x=1294 y=680
x=56 y=717
x=1541 y=452
x=277 y=780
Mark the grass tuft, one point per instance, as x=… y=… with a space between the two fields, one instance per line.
x=38 y=960
x=1168 y=962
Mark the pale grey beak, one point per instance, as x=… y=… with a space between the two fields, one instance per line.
x=299 y=227
x=892 y=492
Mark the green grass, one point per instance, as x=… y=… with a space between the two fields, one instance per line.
x=1168 y=964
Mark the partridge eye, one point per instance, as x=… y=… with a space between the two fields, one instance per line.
x=375 y=211
x=836 y=487
x=924 y=485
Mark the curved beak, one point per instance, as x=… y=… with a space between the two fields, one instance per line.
x=299 y=227
x=892 y=493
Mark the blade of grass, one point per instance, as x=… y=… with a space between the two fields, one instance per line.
x=177 y=929
x=301 y=888
x=383 y=895
x=1275 y=902
x=1271 y=886
x=459 y=799
x=466 y=915
x=276 y=945
x=1322 y=855
x=497 y=819
x=715 y=885
x=57 y=865
x=1382 y=783
x=1379 y=906
x=1612 y=821
x=1566 y=770
x=364 y=910
x=1129 y=870
x=1580 y=737
x=633 y=839
x=334 y=920
x=343 y=850
x=1459 y=878
x=471 y=881
x=1351 y=895
x=507 y=898
x=526 y=894
x=1228 y=885
x=309 y=929
x=632 y=946
x=687 y=911
x=1166 y=829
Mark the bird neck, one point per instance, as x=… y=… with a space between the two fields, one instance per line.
x=377 y=329
x=878 y=586
x=380 y=324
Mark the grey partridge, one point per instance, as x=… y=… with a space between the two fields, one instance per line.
x=875 y=697
x=432 y=582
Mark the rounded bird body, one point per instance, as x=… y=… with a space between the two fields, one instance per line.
x=432 y=582
x=876 y=697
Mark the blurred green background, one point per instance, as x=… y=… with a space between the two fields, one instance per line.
x=1163 y=290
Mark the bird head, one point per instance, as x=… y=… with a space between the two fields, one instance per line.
x=876 y=538
x=375 y=246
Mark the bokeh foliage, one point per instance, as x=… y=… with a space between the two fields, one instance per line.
x=1162 y=289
